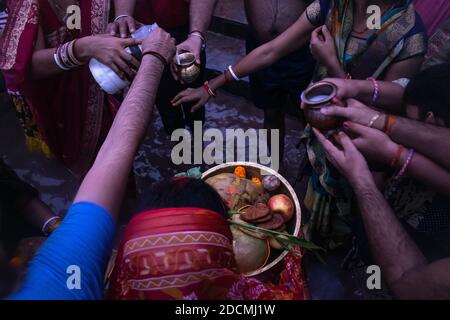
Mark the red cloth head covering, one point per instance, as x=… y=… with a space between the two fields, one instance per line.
x=186 y=253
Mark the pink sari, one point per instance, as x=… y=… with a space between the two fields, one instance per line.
x=66 y=115
x=433 y=13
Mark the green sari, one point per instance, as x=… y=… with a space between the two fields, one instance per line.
x=402 y=36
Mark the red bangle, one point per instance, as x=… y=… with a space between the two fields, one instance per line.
x=156 y=55
x=209 y=90
x=396 y=159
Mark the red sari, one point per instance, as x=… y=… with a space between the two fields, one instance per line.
x=66 y=115
x=186 y=254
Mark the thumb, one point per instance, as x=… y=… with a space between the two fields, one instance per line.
x=335 y=111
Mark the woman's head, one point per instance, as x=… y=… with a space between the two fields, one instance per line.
x=428 y=96
x=182 y=192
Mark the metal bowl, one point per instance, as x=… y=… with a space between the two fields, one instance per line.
x=257 y=170
x=187 y=69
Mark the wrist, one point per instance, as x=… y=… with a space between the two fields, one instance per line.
x=196 y=41
x=150 y=55
x=363 y=183
x=83 y=48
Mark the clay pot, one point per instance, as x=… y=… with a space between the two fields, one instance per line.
x=316 y=97
x=187 y=70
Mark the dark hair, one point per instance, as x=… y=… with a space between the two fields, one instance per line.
x=430 y=91
x=181 y=192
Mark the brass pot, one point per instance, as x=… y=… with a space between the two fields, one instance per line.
x=259 y=171
x=187 y=69
x=316 y=97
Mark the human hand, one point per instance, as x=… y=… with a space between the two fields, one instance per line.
x=192 y=44
x=323 y=49
x=160 y=41
x=199 y=96
x=373 y=144
x=346 y=88
x=123 y=27
x=345 y=157
x=111 y=52
x=357 y=112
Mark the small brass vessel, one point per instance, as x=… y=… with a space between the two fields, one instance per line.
x=186 y=67
x=316 y=97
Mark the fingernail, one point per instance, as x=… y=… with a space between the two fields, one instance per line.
x=346 y=125
x=324 y=110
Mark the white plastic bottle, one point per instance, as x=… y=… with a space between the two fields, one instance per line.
x=107 y=79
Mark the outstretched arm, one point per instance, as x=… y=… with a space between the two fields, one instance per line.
x=106 y=181
x=200 y=15
x=406 y=270
x=429 y=140
x=292 y=39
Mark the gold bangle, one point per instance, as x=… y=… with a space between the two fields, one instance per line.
x=374 y=119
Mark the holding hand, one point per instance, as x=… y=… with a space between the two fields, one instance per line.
x=123 y=26
x=111 y=52
x=323 y=49
x=161 y=42
x=357 y=112
x=199 y=96
x=373 y=144
x=192 y=44
x=345 y=157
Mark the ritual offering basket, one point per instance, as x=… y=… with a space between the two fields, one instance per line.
x=267 y=188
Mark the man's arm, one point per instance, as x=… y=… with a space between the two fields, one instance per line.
x=106 y=181
x=201 y=12
x=200 y=15
x=429 y=140
x=404 y=267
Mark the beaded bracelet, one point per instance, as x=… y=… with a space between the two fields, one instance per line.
x=376 y=91
x=406 y=164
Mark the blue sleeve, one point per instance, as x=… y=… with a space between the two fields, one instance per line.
x=83 y=240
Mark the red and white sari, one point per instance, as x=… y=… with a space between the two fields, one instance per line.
x=66 y=115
